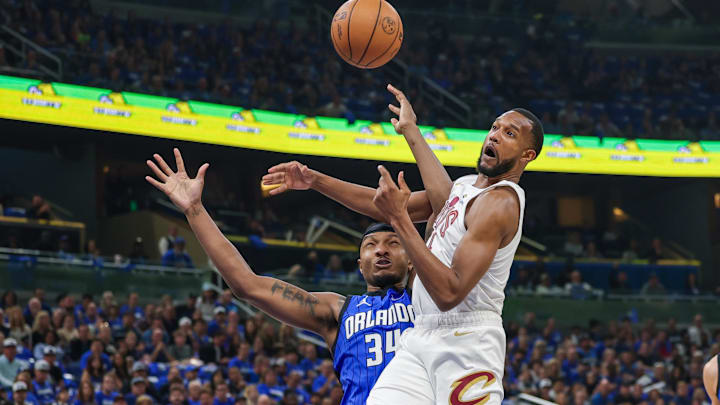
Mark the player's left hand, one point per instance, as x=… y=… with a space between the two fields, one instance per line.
x=390 y=198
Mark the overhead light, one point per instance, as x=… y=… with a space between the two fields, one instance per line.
x=717 y=200
x=618 y=212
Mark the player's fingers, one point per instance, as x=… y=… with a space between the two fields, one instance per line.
x=156 y=170
x=386 y=177
x=273 y=178
x=179 y=160
x=399 y=95
x=401 y=181
x=394 y=109
x=283 y=188
x=157 y=184
x=280 y=167
x=164 y=166
x=384 y=174
x=201 y=171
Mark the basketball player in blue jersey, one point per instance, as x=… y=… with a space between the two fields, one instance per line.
x=362 y=331
x=711 y=379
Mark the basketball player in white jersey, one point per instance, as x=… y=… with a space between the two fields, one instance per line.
x=456 y=352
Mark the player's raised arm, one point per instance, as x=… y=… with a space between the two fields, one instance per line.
x=297 y=176
x=435 y=178
x=448 y=286
x=312 y=311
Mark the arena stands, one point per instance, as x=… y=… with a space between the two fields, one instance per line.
x=543 y=64
x=206 y=349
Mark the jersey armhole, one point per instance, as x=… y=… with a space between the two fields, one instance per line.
x=340 y=323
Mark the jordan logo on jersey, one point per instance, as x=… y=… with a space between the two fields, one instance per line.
x=448 y=216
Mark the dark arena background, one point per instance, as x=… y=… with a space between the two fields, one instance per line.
x=613 y=294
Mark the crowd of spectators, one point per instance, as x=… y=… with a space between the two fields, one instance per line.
x=205 y=350
x=540 y=64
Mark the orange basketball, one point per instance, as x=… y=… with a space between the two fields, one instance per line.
x=367 y=33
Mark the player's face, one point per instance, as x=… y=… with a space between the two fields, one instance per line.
x=383 y=261
x=506 y=144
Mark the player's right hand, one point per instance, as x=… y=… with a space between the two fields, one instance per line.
x=183 y=191
x=406 y=116
x=289 y=176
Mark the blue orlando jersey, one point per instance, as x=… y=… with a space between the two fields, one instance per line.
x=369 y=333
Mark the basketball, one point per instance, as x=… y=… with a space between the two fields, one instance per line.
x=367 y=33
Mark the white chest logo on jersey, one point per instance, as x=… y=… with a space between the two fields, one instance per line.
x=364 y=301
x=448 y=216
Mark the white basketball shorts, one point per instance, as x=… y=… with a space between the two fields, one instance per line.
x=450 y=358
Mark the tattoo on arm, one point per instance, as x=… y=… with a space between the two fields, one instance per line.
x=293 y=294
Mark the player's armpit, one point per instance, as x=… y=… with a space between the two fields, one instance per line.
x=493 y=219
x=287 y=303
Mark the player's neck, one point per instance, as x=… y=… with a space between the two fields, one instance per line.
x=374 y=288
x=484 y=181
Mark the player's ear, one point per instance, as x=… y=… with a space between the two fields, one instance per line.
x=360 y=267
x=528 y=155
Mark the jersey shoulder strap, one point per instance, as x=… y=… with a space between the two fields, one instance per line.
x=339 y=320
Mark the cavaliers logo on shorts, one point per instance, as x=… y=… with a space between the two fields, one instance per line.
x=460 y=386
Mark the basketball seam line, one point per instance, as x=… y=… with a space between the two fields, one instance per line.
x=348 y=25
x=377 y=18
x=388 y=48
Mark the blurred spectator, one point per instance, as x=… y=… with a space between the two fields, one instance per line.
x=606 y=129
x=206 y=303
x=9 y=299
x=17 y=327
x=137 y=252
x=691 y=287
x=573 y=245
x=546 y=288
x=180 y=350
x=591 y=251
x=166 y=242
x=335 y=108
x=132 y=306
x=576 y=288
x=632 y=253
x=653 y=286
x=697 y=333
x=619 y=284
x=42 y=387
x=9 y=364
x=187 y=309
x=20 y=391
x=177 y=257
x=39 y=208
x=657 y=251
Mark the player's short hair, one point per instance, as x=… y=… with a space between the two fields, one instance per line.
x=537 y=129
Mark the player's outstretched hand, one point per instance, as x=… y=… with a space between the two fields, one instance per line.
x=289 y=176
x=406 y=115
x=183 y=191
x=390 y=198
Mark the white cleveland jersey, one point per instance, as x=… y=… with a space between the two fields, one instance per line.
x=448 y=230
